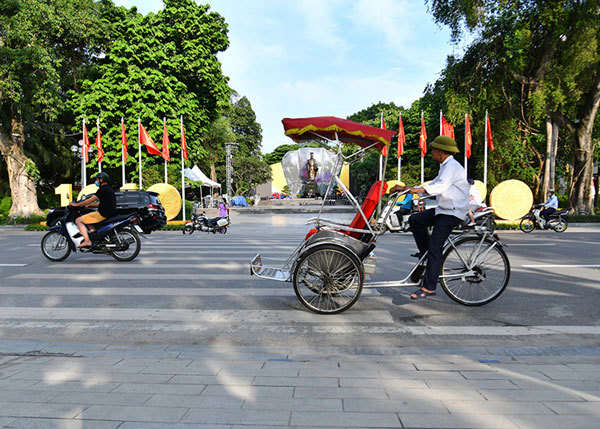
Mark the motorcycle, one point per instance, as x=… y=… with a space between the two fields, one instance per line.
x=116 y=236
x=558 y=221
x=200 y=222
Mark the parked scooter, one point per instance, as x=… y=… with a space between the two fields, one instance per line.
x=558 y=222
x=202 y=223
x=116 y=236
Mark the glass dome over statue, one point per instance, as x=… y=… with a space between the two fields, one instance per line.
x=308 y=170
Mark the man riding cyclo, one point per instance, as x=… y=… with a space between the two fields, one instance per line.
x=452 y=194
x=104 y=199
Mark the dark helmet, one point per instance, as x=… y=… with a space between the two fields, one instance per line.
x=101 y=176
x=470 y=181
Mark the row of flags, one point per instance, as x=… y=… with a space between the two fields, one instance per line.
x=446 y=129
x=143 y=137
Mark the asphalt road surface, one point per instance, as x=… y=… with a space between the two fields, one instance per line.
x=197 y=290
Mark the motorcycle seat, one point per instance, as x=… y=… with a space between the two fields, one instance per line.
x=111 y=219
x=560 y=212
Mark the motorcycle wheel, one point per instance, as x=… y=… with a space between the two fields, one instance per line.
x=527 y=225
x=133 y=249
x=188 y=229
x=223 y=230
x=55 y=246
x=562 y=225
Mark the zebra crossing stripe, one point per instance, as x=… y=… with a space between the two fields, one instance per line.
x=195 y=316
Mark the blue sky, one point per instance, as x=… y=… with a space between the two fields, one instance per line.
x=299 y=58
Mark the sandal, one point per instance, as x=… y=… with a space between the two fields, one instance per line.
x=420 y=294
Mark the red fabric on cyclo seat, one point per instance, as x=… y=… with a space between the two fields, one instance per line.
x=368 y=207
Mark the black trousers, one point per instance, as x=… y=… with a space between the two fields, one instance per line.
x=546 y=213
x=434 y=244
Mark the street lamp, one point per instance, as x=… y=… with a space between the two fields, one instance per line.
x=229 y=169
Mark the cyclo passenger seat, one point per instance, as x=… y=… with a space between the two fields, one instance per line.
x=368 y=207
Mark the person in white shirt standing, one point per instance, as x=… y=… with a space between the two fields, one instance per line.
x=452 y=191
x=551 y=205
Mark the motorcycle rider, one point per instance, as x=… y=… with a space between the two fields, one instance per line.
x=550 y=206
x=104 y=199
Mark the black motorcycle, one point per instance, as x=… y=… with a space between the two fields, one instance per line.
x=116 y=236
x=558 y=221
x=200 y=222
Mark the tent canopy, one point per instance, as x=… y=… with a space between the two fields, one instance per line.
x=196 y=175
x=299 y=129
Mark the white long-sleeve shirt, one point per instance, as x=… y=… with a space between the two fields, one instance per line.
x=552 y=202
x=451 y=189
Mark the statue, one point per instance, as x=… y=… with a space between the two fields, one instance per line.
x=311 y=167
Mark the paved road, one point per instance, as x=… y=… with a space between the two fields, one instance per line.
x=183 y=337
x=197 y=290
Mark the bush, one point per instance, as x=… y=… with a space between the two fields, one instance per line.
x=36 y=227
x=5 y=204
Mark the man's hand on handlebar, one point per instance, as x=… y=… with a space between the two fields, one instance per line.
x=411 y=189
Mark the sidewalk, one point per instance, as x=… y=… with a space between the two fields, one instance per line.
x=64 y=385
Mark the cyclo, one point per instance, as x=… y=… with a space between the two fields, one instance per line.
x=328 y=268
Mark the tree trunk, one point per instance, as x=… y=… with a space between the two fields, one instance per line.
x=581 y=197
x=213 y=172
x=22 y=187
x=550 y=164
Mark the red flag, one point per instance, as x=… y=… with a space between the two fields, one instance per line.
x=447 y=128
x=124 y=140
x=490 y=141
x=423 y=138
x=401 y=138
x=86 y=144
x=165 y=144
x=468 y=140
x=147 y=141
x=183 y=145
x=99 y=143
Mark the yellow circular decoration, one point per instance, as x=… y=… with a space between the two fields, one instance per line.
x=129 y=187
x=511 y=199
x=391 y=184
x=88 y=191
x=481 y=188
x=169 y=198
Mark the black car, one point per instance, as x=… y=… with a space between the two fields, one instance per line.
x=145 y=204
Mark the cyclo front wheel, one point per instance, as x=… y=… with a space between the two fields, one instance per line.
x=485 y=267
x=328 y=279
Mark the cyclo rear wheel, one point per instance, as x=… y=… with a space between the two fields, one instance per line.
x=489 y=263
x=328 y=279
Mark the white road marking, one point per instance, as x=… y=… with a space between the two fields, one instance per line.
x=286 y=290
x=531 y=244
x=132 y=276
x=12 y=265
x=194 y=316
x=562 y=266
x=319 y=326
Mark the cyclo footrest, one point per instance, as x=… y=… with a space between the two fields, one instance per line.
x=258 y=269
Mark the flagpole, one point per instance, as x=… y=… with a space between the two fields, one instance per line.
x=466 y=166
x=441 y=128
x=140 y=150
x=485 y=156
x=98 y=131
x=381 y=155
x=123 y=153
x=399 y=156
x=422 y=157
x=83 y=166
x=182 y=175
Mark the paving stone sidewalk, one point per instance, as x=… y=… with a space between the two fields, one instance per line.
x=56 y=385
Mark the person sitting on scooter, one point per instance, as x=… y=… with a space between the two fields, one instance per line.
x=475 y=200
x=452 y=191
x=104 y=199
x=551 y=205
x=405 y=207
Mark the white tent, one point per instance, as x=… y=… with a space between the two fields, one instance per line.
x=196 y=175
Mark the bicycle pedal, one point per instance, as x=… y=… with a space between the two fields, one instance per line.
x=417 y=273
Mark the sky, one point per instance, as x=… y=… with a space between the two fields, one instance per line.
x=302 y=58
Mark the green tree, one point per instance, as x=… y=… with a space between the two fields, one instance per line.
x=249 y=171
x=536 y=66
x=44 y=47
x=159 y=65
